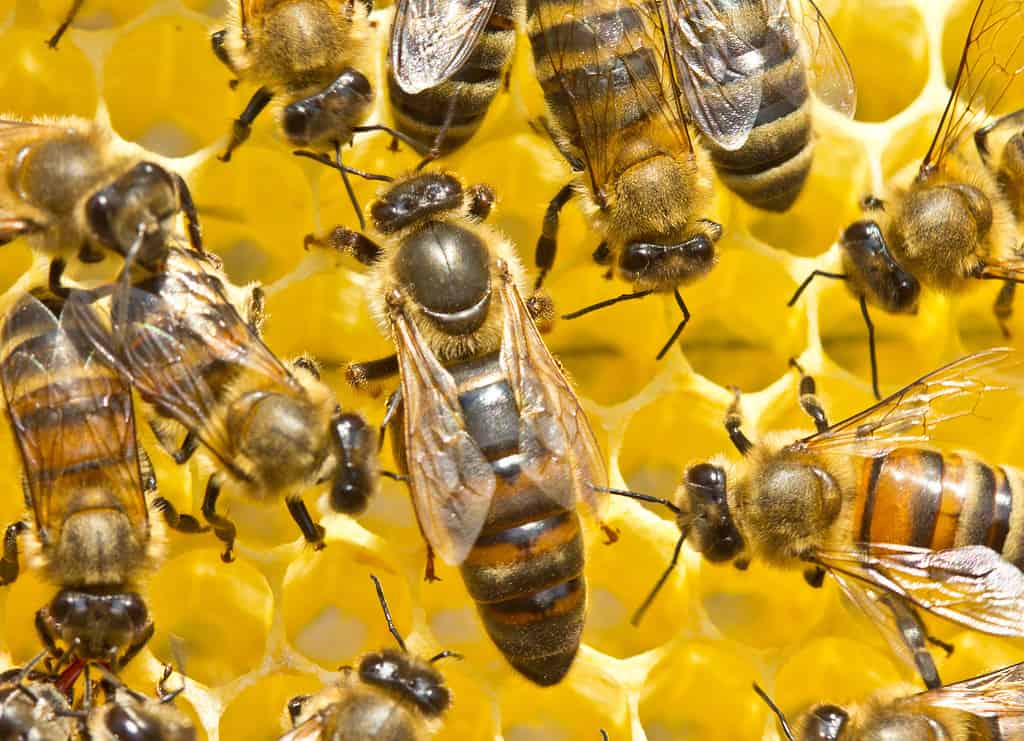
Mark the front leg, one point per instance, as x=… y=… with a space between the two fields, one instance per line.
x=137 y=645
x=9 y=566
x=547 y=242
x=311 y=531
x=180 y=522
x=348 y=242
x=809 y=398
x=360 y=375
x=242 y=127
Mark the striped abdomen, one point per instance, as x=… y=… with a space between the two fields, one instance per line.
x=770 y=169
x=932 y=500
x=526 y=570
x=459 y=105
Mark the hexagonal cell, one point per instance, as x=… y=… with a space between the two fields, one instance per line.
x=471 y=716
x=35 y=81
x=908 y=144
x=94 y=15
x=565 y=711
x=259 y=712
x=218 y=615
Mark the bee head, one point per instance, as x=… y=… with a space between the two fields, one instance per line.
x=138 y=205
x=330 y=114
x=704 y=512
x=355 y=477
x=416 y=199
x=872 y=268
x=97 y=627
x=824 y=723
x=650 y=264
x=132 y=720
x=407 y=678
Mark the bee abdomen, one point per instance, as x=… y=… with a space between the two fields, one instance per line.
x=926 y=499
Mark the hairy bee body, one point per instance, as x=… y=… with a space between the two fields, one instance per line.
x=43 y=715
x=457 y=106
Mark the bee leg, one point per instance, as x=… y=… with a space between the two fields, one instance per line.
x=223 y=528
x=9 y=568
x=982 y=134
x=390 y=410
x=547 y=242
x=359 y=375
x=188 y=448
x=242 y=126
x=256 y=312
x=45 y=636
x=809 y=399
x=481 y=201
x=396 y=136
x=914 y=635
x=814 y=576
x=311 y=531
x=733 y=423
x=428 y=570
x=349 y=242
x=679 y=327
x=72 y=12
x=57 y=266
x=306 y=363
x=542 y=310
x=1003 y=307
x=220 y=50
x=872 y=352
x=606 y=303
x=175 y=521
x=188 y=207
x=135 y=646
x=437 y=147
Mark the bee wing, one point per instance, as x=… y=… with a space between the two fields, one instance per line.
x=991 y=64
x=617 y=74
x=451 y=481
x=1010 y=268
x=159 y=331
x=311 y=730
x=38 y=352
x=912 y=414
x=999 y=693
x=431 y=39
x=973 y=586
x=560 y=452
x=827 y=66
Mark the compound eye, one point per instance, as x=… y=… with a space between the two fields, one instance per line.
x=295 y=706
x=65 y=605
x=707 y=479
x=825 y=723
x=135 y=609
x=296 y=121
x=97 y=213
x=636 y=258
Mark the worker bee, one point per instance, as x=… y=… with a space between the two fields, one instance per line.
x=172 y=329
x=983 y=708
x=746 y=70
x=69 y=18
x=447 y=61
x=615 y=115
x=131 y=716
x=956 y=221
x=72 y=188
x=307 y=54
x=496 y=445
x=93 y=529
x=392 y=695
x=33 y=709
x=898 y=525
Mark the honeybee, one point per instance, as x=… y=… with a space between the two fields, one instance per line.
x=447 y=61
x=615 y=115
x=71 y=188
x=307 y=54
x=496 y=445
x=989 y=707
x=746 y=70
x=956 y=221
x=898 y=525
x=93 y=529
x=131 y=716
x=76 y=5
x=172 y=329
x=392 y=695
x=34 y=710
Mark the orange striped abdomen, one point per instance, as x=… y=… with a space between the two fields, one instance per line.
x=927 y=499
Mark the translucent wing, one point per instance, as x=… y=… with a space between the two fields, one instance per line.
x=608 y=61
x=991 y=64
x=719 y=72
x=68 y=410
x=999 y=693
x=1011 y=268
x=560 y=452
x=973 y=586
x=431 y=39
x=911 y=415
x=311 y=730
x=451 y=481
x=828 y=69
x=180 y=341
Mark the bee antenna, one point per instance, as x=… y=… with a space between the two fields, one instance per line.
x=642 y=609
x=604 y=734
x=446 y=655
x=637 y=495
x=786 y=730
x=387 y=614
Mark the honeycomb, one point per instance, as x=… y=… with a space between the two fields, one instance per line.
x=282 y=619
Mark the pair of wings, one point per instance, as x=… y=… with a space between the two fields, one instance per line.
x=998 y=694
x=451 y=480
x=973 y=586
x=179 y=340
x=50 y=374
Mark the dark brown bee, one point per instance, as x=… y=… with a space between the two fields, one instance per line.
x=746 y=70
x=447 y=62
x=497 y=448
x=306 y=54
x=34 y=710
x=76 y=5
x=391 y=696
x=92 y=531
x=985 y=708
x=173 y=330
x=956 y=221
x=615 y=115
x=898 y=525
x=130 y=716
x=71 y=188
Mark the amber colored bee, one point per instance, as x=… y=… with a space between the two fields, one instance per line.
x=898 y=525
x=989 y=707
x=447 y=61
x=746 y=70
x=956 y=221
x=497 y=448
x=88 y=484
x=615 y=114
x=308 y=55
x=391 y=696
x=72 y=189
x=173 y=330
